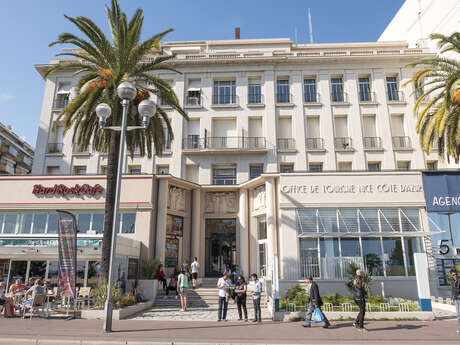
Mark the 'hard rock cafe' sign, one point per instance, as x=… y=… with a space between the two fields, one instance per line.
x=63 y=190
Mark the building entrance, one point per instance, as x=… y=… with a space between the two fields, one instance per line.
x=220 y=237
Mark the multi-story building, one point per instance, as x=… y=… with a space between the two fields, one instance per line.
x=305 y=151
x=16 y=155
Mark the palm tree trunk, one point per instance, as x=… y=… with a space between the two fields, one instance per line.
x=112 y=169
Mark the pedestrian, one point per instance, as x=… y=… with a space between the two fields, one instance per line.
x=237 y=271
x=456 y=294
x=172 y=286
x=314 y=301
x=195 y=266
x=30 y=283
x=182 y=285
x=160 y=275
x=223 y=285
x=256 y=296
x=227 y=271
x=186 y=268
x=359 y=296
x=240 y=295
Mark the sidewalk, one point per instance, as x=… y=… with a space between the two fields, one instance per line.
x=41 y=331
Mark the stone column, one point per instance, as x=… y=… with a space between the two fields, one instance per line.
x=243 y=231
x=271 y=223
x=196 y=227
x=161 y=219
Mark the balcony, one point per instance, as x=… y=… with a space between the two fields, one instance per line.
x=339 y=98
x=193 y=101
x=367 y=97
x=225 y=101
x=223 y=144
x=395 y=96
x=311 y=99
x=6 y=168
x=60 y=102
x=314 y=144
x=343 y=144
x=401 y=143
x=372 y=143
x=77 y=149
x=285 y=144
x=256 y=100
x=54 y=148
x=284 y=100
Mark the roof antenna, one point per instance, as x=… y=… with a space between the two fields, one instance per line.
x=310 y=26
x=295 y=34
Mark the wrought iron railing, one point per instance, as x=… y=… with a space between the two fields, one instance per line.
x=342 y=143
x=54 y=148
x=372 y=142
x=315 y=143
x=286 y=144
x=401 y=142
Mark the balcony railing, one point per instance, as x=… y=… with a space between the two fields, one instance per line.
x=54 y=148
x=79 y=149
x=286 y=144
x=342 y=143
x=401 y=142
x=194 y=101
x=372 y=143
x=315 y=143
x=339 y=97
x=195 y=143
x=395 y=96
x=311 y=97
x=367 y=97
x=255 y=99
x=60 y=102
x=283 y=98
x=225 y=100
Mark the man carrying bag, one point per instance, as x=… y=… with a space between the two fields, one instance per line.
x=359 y=296
x=314 y=305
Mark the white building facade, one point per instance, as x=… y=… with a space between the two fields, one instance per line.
x=305 y=151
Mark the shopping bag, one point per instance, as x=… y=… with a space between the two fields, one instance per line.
x=318 y=315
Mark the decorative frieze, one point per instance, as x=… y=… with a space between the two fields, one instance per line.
x=259 y=198
x=221 y=202
x=176 y=199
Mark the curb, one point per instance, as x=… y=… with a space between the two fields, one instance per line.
x=29 y=341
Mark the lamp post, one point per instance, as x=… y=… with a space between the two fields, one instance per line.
x=147 y=108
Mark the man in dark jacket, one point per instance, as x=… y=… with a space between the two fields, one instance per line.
x=314 y=301
x=456 y=294
x=359 y=296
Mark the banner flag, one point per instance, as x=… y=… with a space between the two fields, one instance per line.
x=442 y=191
x=67 y=250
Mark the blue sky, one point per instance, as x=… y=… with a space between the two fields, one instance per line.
x=28 y=26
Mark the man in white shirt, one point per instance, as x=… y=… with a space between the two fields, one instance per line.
x=195 y=268
x=223 y=285
x=256 y=293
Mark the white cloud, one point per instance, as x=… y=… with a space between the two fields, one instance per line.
x=5 y=96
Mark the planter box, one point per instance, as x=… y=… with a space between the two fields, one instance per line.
x=444 y=307
x=118 y=314
x=147 y=289
x=419 y=315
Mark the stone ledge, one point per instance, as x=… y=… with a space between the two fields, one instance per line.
x=336 y=316
x=118 y=314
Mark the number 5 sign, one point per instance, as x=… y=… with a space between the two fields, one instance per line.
x=444 y=247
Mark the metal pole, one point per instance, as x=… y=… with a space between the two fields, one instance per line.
x=116 y=225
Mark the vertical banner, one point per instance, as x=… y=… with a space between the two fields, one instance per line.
x=172 y=252
x=276 y=283
x=423 y=281
x=67 y=249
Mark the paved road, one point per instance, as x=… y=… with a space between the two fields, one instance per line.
x=165 y=332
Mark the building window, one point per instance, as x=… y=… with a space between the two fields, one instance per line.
x=79 y=170
x=309 y=91
x=167 y=134
x=193 y=97
x=315 y=167
x=52 y=170
x=374 y=166
x=162 y=169
x=224 y=92
x=403 y=165
x=432 y=165
x=134 y=169
x=337 y=89
x=287 y=168
x=224 y=175
x=254 y=93
x=345 y=166
x=392 y=89
x=255 y=170
x=364 y=89
x=62 y=96
x=13 y=151
x=282 y=91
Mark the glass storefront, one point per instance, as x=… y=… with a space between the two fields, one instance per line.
x=220 y=237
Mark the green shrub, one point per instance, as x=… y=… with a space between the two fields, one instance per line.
x=149 y=268
x=124 y=301
x=100 y=295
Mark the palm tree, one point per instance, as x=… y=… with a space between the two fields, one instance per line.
x=103 y=65
x=438 y=107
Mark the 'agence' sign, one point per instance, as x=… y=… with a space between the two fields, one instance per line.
x=63 y=190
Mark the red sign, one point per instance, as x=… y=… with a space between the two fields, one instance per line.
x=63 y=190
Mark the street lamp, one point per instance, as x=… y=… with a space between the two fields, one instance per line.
x=147 y=108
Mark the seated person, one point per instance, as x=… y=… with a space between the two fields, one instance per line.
x=30 y=282
x=6 y=302
x=17 y=286
x=172 y=286
x=160 y=275
x=36 y=289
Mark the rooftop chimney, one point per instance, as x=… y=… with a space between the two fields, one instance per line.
x=237 y=33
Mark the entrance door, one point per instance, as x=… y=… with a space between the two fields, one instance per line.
x=220 y=245
x=261 y=258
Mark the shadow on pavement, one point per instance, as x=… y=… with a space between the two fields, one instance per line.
x=397 y=327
